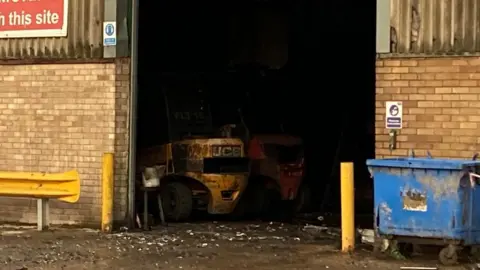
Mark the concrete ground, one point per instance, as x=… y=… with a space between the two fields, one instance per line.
x=205 y=245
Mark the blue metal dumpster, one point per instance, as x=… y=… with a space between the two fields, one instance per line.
x=431 y=200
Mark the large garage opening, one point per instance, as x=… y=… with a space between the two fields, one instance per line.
x=259 y=100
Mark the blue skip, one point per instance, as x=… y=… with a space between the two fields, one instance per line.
x=428 y=201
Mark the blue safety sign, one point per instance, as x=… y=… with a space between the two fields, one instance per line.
x=109 y=29
x=393 y=115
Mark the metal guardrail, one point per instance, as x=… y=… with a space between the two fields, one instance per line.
x=43 y=187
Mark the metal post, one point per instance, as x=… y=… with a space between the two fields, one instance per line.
x=107 y=192
x=347 y=204
x=383 y=26
x=43 y=215
x=132 y=151
x=160 y=206
x=145 y=210
x=110 y=16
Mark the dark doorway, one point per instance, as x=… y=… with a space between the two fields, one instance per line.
x=318 y=56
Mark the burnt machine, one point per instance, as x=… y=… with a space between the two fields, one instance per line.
x=196 y=165
x=277 y=158
x=276 y=176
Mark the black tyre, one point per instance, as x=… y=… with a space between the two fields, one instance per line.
x=406 y=249
x=377 y=245
x=284 y=211
x=254 y=199
x=448 y=258
x=239 y=211
x=262 y=205
x=303 y=199
x=475 y=252
x=177 y=201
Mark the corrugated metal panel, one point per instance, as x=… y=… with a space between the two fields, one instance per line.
x=435 y=26
x=84 y=39
x=383 y=26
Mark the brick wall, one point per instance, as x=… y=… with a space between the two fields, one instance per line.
x=58 y=117
x=441 y=99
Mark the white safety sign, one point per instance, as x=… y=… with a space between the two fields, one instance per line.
x=109 y=33
x=394 y=114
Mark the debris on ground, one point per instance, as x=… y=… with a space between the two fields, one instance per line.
x=203 y=245
x=366 y=236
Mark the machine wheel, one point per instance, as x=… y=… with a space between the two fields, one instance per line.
x=475 y=252
x=177 y=201
x=448 y=256
x=377 y=245
x=260 y=201
x=255 y=198
x=406 y=249
x=239 y=211
x=303 y=199
x=285 y=211
x=380 y=244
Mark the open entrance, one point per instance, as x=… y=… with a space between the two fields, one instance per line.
x=254 y=99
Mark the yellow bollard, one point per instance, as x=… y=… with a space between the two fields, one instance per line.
x=107 y=192
x=348 y=206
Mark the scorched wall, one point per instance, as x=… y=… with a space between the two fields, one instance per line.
x=441 y=99
x=57 y=117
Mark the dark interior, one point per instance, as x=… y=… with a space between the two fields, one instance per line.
x=305 y=67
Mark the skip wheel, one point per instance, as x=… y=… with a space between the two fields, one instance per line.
x=448 y=256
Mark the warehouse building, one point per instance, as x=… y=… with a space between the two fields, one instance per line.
x=67 y=74
x=64 y=102
x=427 y=58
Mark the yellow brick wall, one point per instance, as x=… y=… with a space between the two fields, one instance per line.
x=57 y=117
x=441 y=99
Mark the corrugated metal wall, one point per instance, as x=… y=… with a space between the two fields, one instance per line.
x=84 y=38
x=435 y=26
